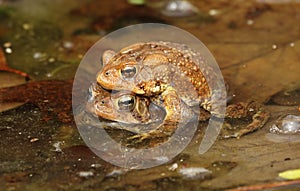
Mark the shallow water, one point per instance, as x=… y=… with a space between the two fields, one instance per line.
x=256 y=45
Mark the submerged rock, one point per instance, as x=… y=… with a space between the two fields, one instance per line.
x=286 y=98
x=289 y=124
x=285 y=129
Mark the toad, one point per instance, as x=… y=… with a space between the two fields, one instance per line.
x=170 y=75
x=135 y=113
x=123 y=106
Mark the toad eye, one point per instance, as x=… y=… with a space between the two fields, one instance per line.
x=126 y=103
x=102 y=102
x=128 y=72
x=107 y=74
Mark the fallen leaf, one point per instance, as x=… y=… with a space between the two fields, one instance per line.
x=290 y=174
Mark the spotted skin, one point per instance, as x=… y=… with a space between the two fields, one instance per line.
x=171 y=75
x=123 y=106
x=158 y=66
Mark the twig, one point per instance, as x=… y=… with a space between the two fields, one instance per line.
x=4 y=67
x=265 y=186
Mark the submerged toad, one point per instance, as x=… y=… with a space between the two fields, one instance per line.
x=170 y=75
x=123 y=106
x=135 y=113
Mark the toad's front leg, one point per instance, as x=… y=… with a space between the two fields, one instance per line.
x=244 y=109
x=177 y=112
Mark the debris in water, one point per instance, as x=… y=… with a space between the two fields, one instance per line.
x=68 y=45
x=57 y=146
x=116 y=172
x=173 y=167
x=85 y=174
x=39 y=56
x=7 y=45
x=96 y=165
x=213 y=12
x=136 y=2
x=27 y=26
x=49 y=75
x=34 y=140
x=195 y=173
x=290 y=174
x=8 y=50
x=51 y=60
x=250 y=22
x=274 y=46
x=179 y=8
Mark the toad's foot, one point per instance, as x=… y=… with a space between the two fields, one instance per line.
x=155 y=134
x=245 y=109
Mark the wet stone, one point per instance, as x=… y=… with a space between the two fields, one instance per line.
x=285 y=98
x=289 y=124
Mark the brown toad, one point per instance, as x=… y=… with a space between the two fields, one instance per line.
x=170 y=75
x=123 y=106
